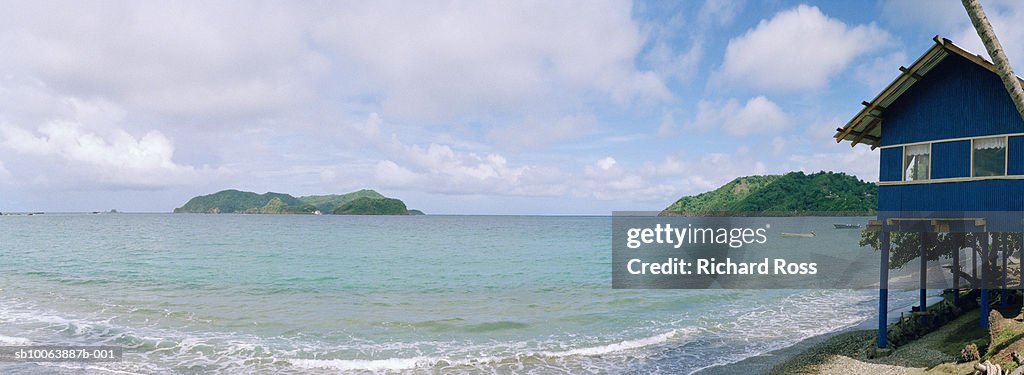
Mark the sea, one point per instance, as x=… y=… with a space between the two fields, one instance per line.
x=303 y=294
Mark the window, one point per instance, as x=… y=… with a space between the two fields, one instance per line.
x=988 y=157
x=917 y=162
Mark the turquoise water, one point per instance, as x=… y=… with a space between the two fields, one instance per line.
x=298 y=294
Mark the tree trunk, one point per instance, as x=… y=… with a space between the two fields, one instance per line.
x=995 y=51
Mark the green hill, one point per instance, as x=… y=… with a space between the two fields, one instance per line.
x=362 y=202
x=372 y=206
x=794 y=193
x=327 y=203
x=232 y=201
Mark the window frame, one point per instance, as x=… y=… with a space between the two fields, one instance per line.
x=1006 y=156
x=903 y=171
x=971 y=174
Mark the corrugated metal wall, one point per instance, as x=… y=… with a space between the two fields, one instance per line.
x=891 y=166
x=951 y=159
x=956 y=99
x=1015 y=156
x=987 y=195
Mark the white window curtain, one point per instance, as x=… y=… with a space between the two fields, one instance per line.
x=918 y=150
x=917 y=159
x=989 y=143
x=989 y=157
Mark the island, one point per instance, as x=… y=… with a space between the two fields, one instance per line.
x=362 y=202
x=790 y=194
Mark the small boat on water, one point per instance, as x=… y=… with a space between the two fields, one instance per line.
x=798 y=235
x=846 y=226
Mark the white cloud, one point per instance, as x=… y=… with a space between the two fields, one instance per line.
x=797 y=49
x=91 y=98
x=661 y=182
x=718 y=12
x=391 y=174
x=199 y=58
x=440 y=168
x=666 y=54
x=758 y=115
x=433 y=59
x=879 y=71
x=461 y=166
x=670 y=166
x=950 y=20
x=4 y=173
x=430 y=59
x=1005 y=18
x=821 y=130
x=778 y=145
x=680 y=66
x=120 y=159
x=703 y=173
x=536 y=133
x=605 y=169
x=860 y=161
x=89 y=142
x=328 y=175
x=606 y=163
x=667 y=126
x=606 y=180
x=927 y=14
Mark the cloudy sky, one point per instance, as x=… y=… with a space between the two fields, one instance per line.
x=512 y=107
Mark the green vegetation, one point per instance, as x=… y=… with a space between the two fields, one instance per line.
x=362 y=202
x=905 y=247
x=235 y=201
x=1006 y=336
x=372 y=206
x=327 y=203
x=793 y=193
x=277 y=206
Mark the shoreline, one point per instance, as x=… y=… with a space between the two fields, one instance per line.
x=763 y=363
x=847 y=352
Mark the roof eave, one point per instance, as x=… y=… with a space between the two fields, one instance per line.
x=865 y=127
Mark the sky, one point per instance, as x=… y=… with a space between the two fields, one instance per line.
x=456 y=107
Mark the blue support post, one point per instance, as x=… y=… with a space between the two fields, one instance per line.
x=984 y=280
x=883 y=288
x=923 y=293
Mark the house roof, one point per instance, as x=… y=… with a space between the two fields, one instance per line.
x=866 y=127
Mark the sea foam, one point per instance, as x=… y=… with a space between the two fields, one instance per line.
x=10 y=340
x=423 y=362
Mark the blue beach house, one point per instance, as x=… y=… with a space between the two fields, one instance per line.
x=951 y=146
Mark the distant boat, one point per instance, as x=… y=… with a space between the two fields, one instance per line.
x=798 y=235
x=846 y=226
